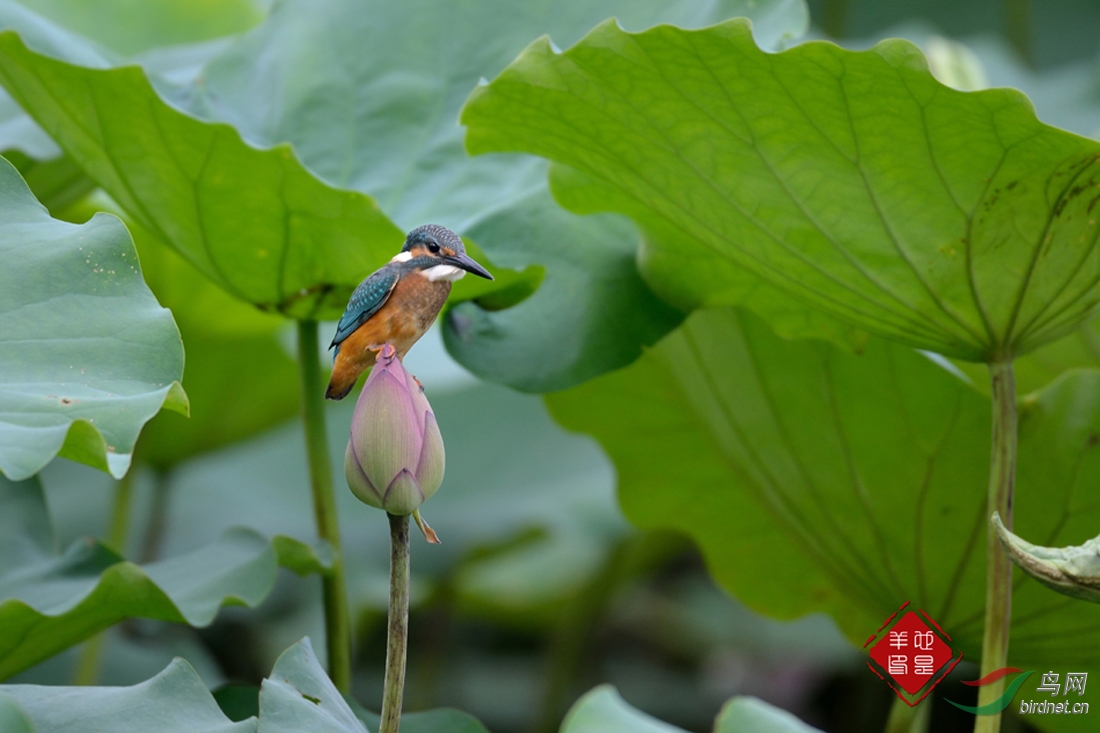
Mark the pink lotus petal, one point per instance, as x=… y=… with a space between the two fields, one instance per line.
x=433 y=457
x=403 y=496
x=358 y=482
x=384 y=430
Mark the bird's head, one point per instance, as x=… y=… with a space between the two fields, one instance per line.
x=434 y=242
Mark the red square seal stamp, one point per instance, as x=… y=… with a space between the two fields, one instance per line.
x=912 y=653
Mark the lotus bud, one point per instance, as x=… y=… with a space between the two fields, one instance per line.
x=395 y=458
x=1074 y=570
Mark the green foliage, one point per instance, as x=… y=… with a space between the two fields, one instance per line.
x=299 y=696
x=954 y=222
x=276 y=235
x=818 y=480
x=603 y=711
x=52 y=601
x=749 y=715
x=253 y=221
x=125 y=26
x=56 y=183
x=591 y=313
x=240 y=377
x=440 y=721
x=89 y=355
x=175 y=701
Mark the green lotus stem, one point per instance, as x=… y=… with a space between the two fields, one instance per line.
x=158 y=516
x=118 y=533
x=998 y=577
x=397 y=637
x=91 y=654
x=905 y=719
x=334 y=586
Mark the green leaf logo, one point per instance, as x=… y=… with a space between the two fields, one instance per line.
x=998 y=705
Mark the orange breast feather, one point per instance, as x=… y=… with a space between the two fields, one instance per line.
x=406 y=316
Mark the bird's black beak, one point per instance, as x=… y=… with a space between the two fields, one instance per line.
x=468 y=264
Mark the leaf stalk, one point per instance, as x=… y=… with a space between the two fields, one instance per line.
x=118 y=535
x=998 y=579
x=334 y=585
x=906 y=719
x=398 y=631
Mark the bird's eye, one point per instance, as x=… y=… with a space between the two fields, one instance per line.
x=433 y=248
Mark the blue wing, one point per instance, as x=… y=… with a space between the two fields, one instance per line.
x=367 y=299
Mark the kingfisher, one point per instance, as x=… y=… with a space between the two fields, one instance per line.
x=398 y=303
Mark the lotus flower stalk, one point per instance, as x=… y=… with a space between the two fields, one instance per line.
x=394 y=461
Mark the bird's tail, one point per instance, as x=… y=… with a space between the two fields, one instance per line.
x=343 y=379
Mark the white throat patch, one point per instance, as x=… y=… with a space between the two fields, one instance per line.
x=402 y=257
x=450 y=273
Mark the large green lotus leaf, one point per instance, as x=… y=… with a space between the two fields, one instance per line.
x=56 y=180
x=1063 y=97
x=603 y=711
x=591 y=303
x=175 y=701
x=951 y=221
x=383 y=119
x=50 y=601
x=591 y=313
x=299 y=696
x=338 y=80
x=240 y=378
x=253 y=220
x=818 y=480
x=126 y=26
x=89 y=355
x=581 y=193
